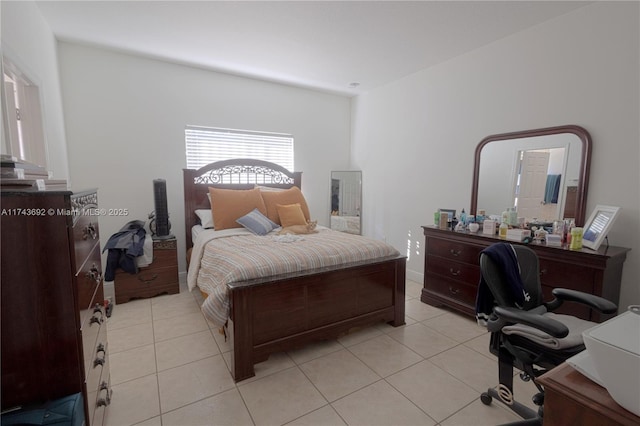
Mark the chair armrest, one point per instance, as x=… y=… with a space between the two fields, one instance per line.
x=596 y=302
x=550 y=326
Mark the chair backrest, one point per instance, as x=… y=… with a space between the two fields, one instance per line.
x=529 y=272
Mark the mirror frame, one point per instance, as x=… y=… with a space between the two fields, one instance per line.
x=585 y=162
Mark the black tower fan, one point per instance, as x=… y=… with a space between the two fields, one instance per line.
x=160 y=226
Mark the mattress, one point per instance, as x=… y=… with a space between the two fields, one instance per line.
x=220 y=258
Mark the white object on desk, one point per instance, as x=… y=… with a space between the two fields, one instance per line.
x=614 y=348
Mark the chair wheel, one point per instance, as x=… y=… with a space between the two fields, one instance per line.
x=538 y=399
x=525 y=377
x=486 y=398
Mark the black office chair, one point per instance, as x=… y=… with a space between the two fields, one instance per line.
x=524 y=332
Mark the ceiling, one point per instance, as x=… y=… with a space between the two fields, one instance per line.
x=326 y=46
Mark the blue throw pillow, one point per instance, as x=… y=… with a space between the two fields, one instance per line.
x=257 y=223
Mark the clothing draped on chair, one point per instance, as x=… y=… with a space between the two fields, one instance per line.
x=505 y=257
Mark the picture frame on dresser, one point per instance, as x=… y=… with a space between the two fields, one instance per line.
x=598 y=225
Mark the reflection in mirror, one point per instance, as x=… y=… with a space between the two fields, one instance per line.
x=346 y=201
x=543 y=173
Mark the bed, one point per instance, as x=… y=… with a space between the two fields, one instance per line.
x=269 y=314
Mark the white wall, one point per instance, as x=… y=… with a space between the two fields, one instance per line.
x=581 y=68
x=27 y=41
x=125 y=118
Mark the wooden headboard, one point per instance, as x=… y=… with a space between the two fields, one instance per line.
x=229 y=174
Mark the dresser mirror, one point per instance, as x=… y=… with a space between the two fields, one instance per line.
x=542 y=172
x=346 y=201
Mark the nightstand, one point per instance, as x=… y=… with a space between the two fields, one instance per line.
x=160 y=277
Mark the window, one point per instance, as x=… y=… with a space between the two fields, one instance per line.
x=23 y=117
x=205 y=145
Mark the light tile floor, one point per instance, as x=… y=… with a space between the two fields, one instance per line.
x=169 y=367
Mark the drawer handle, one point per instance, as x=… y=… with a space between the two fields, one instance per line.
x=99 y=361
x=104 y=385
x=543 y=271
x=95 y=320
x=100 y=348
x=454 y=273
x=153 y=278
x=103 y=402
x=97 y=308
x=455 y=252
x=89 y=231
x=94 y=274
x=454 y=290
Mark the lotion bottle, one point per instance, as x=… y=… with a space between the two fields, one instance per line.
x=503 y=230
x=513 y=217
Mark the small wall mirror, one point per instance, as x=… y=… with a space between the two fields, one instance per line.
x=542 y=172
x=346 y=201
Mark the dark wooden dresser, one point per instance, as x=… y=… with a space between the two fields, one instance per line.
x=54 y=340
x=160 y=277
x=452 y=271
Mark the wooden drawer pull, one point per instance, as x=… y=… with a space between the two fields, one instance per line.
x=100 y=348
x=455 y=252
x=95 y=320
x=454 y=290
x=89 y=231
x=94 y=274
x=99 y=361
x=453 y=272
x=103 y=402
x=153 y=278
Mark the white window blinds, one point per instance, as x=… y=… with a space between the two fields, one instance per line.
x=205 y=145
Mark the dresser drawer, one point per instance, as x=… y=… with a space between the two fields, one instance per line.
x=460 y=251
x=456 y=291
x=93 y=332
x=102 y=402
x=89 y=278
x=452 y=269
x=565 y=275
x=97 y=359
x=85 y=236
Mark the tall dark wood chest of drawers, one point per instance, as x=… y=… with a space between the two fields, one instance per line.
x=54 y=339
x=452 y=271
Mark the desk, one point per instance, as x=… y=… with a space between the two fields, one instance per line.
x=571 y=398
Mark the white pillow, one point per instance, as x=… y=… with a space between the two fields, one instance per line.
x=269 y=188
x=206 y=218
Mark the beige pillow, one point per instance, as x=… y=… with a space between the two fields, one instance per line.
x=291 y=214
x=292 y=195
x=229 y=205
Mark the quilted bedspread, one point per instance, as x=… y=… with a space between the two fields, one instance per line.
x=224 y=257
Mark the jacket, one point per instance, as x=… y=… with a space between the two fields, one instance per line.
x=504 y=256
x=124 y=246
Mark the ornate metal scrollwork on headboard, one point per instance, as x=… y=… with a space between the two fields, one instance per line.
x=244 y=174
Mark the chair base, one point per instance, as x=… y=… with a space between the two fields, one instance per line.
x=530 y=416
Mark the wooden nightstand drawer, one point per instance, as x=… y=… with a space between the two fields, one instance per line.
x=148 y=282
x=160 y=277
x=164 y=257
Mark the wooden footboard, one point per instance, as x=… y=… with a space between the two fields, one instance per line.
x=288 y=313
